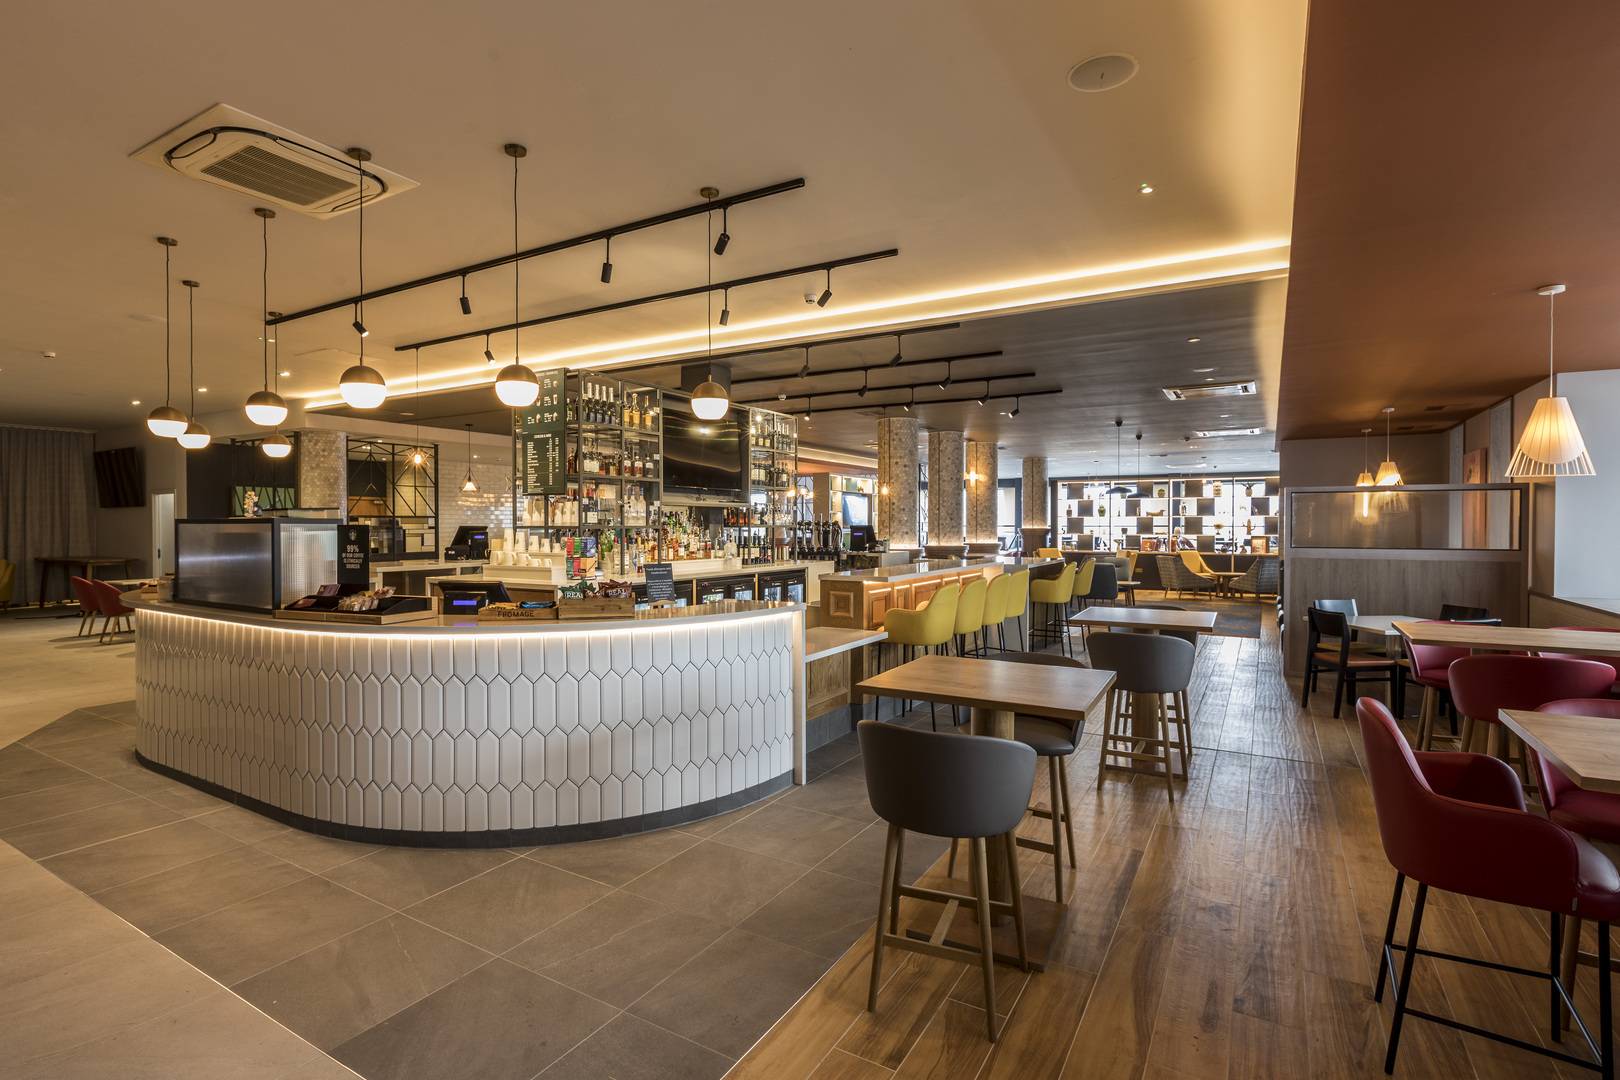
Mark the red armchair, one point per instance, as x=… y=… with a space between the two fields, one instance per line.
x=1481 y=685
x=1457 y=822
x=116 y=614
x=84 y=591
x=1430 y=670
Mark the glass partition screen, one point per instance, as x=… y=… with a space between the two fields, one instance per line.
x=1481 y=518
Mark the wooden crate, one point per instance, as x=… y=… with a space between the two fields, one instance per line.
x=595 y=608
x=517 y=614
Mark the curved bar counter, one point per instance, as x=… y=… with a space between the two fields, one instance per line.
x=457 y=733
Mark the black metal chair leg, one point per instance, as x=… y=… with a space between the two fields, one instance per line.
x=1405 y=987
x=1389 y=937
x=1555 y=935
x=1605 y=1005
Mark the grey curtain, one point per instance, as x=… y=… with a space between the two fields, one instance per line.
x=47 y=502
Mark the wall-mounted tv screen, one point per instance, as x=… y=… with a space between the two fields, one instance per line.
x=120 y=477
x=704 y=457
x=856 y=509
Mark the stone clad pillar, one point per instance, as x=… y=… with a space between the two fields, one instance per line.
x=946 y=465
x=896 y=516
x=981 y=492
x=1037 y=522
x=323 y=469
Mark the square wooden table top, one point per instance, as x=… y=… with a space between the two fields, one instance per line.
x=1508 y=638
x=1379 y=624
x=1058 y=691
x=1585 y=748
x=1143 y=618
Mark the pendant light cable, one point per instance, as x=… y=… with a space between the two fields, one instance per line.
x=516 y=262
x=168 y=379
x=516 y=385
x=191 y=340
x=1552 y=376
x=264 y=297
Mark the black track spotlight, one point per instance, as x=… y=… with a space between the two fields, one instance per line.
x=359 y=327
x=804 y=369
x=899 y=351
x=864 y=380
x=722 y=241
x=1017 y=405
x=725 y=307
x=607 y=262
x=488 y=355
x=910 y=399
x=986 y=393
x=946 y=381
x=466 y=304
x=826 y=294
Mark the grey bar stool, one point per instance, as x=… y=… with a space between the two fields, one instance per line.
x=1150 y=669
x=960 y=786
x=1056 y=741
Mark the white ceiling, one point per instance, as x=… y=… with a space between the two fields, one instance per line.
x=944 y=128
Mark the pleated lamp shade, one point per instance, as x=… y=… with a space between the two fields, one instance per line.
x=1389 y=475
x=1551 y=445
x=1365 y=479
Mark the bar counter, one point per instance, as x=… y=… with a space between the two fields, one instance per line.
x=858 y=599
x=452 y=732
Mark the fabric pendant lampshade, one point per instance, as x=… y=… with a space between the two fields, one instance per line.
x=1389 y=475
x=1551 y=445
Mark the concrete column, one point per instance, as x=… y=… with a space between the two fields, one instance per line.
x=323 y=469
x=896 y=518
x=946 y=465
x=981 y=492
x=1037 y=522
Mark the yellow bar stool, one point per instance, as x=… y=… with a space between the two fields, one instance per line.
x=1053 y=594
x=929 y=627
x=970 y=614
x=995 y=613
x=1017 y=605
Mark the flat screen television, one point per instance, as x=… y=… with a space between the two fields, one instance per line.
x=704 y=458
x=120 y=477
x=856 y=508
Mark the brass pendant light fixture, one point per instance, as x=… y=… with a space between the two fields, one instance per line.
x=195 y=437
x=1551 y=445
x=362 y=387
x=276 y=445
x=166 y=421
x=265 y=407
x=709 y=399
x=515 y=384
x=1389 y=474
x=469 y=485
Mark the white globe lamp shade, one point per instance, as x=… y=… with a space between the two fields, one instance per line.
x=276 y=446
x=195 y=437
x=265 y=409
x=362 y=387
x=1551 y=445
x=517 y=386
x=166 y=422
x=709 y=401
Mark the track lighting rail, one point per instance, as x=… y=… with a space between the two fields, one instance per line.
x=673 y=294
x=980 y=379
x=785 y=346
x=460 y=272
x=915 y=404
x=884 y=366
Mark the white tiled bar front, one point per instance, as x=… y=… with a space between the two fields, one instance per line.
x=462 y=733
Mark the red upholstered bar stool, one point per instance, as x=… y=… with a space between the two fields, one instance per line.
x=1582 y=656
x=1430 y=670
x=1481 y=685
x=1457 y=822
x=1594 y=815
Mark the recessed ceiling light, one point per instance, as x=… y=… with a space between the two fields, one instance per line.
x=1216 y=433
x=202 y=389
x=286 y=374
x=1194 y=340
x=1202 y=370
x=135 y=401
x=1144 y=189
x=1099 y=73
x=49 y=354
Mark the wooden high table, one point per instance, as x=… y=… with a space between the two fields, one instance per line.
x=993 y=690
x=68 y=562
x=1483 y=638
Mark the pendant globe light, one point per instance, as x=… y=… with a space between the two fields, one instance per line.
x=1551 y=445
x=277 y=445
x=1389 y=474
x=265 y=407
x=709 y=399
x=166 y=421
x=515 y=384
x=362 y=387
x=195 y=437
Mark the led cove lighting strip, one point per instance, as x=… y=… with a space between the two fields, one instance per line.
x=660 y=346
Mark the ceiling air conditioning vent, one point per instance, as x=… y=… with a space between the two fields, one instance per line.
x=233 y=149
x=1208 y=390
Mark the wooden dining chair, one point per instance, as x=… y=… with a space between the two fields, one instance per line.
x=1328 y=647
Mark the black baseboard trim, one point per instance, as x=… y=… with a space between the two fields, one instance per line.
x=486 y=838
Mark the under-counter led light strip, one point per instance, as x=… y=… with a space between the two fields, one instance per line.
x=661 y=345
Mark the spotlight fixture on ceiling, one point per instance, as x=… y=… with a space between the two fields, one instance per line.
x=166 y=421
x=826 y=293
x=1016 y=409
x=1551 y=445
x=361 y=387
x=865 y=383
x=466 y=304
x=1194 y=340
x=725 y=307
x=1144 y=189
x=488 y=355
x=899 y=350
x=1389 y=474
x=709 y=398
x=946 y=381
x=469 y=485
x=985 y=394
x=724 y=239
x=606 y=277
x=195 y=437
x=265 y=407
x=804 y=368
x=911 y=399
x=515 y=384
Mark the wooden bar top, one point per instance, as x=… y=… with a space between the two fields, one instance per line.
x=1060 y=692
x=1511 y=638
x=1585 y=748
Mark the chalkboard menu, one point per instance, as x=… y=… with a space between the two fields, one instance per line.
x=660 y=581
x=541 y=433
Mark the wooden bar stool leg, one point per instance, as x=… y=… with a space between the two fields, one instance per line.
x=1107 y=735
x=981 y=896
x=1016 y=884
x=1057 y=826
x=885 y=897
x=950 y=866
x=1164 y=746
x=1068 y=818
x=899 y=870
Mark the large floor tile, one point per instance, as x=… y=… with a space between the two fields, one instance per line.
x=401 y=876
x=71 y=929
x=220 y=1036
x=717 y=882
x=53 y=836
x=317 y=854
x=94 y=997
x=820 y=913
x=331 y=994
x=23 y=770
x=497 y=910
x=498 y=1022
x=840 y=792
x=732 y=992
x=617 y=860
x=26 y=887
x=165 y=900
x=75 y=727
x=788 y=832
x=618 y=948
x=244 y=939
x=862 y=857
x=78 y=794
x=630 y=1048
x=126 y=858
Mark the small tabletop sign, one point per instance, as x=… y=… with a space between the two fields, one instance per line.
x=541 y=430
x=660 y=581
x=354 y=554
